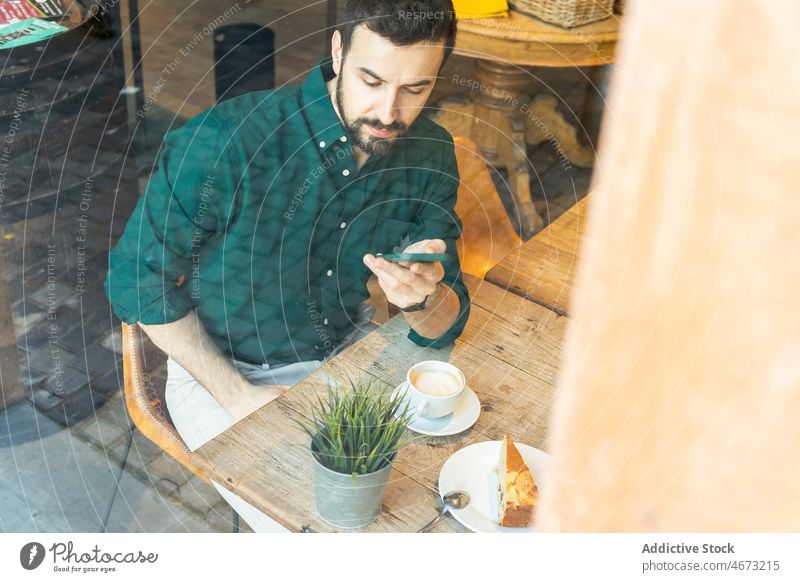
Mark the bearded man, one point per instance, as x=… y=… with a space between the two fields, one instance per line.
x=248 y=256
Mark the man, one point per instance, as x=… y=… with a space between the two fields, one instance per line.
x=247 y=258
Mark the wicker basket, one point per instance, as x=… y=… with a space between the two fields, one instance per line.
x=566 y=13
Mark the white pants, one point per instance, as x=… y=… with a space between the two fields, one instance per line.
x=198 y=417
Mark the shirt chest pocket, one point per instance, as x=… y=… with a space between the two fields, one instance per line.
x=388 y=235
x=393 y=236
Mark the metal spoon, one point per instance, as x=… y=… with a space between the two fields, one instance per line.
x=453 y=500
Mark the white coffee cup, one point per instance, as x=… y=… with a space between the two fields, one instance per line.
x=434 y=388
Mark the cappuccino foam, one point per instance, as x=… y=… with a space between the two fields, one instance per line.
x=436 y=383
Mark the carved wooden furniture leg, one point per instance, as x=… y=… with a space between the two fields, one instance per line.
x=544 y=123
x=505 y=134
x=500 y=133
x=513 y=156
x=493 y=120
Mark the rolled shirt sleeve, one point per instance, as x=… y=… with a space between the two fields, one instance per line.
x=183 y=206
x=438 y=219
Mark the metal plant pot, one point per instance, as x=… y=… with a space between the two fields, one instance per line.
x=349 y=502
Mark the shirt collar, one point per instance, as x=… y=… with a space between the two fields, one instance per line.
x=317 y=107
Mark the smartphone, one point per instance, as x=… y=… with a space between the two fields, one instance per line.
x=415 y=257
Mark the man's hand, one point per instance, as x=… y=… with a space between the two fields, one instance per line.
x=408 y=283
x=248 y=398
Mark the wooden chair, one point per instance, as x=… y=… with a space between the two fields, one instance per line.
x=144 y=398
x=146 y=405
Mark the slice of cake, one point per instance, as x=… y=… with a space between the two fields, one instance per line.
x=517 y=491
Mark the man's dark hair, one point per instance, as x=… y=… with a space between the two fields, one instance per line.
x=402 y=22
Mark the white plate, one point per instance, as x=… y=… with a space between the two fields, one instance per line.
x=463 y=417
x=473 y=470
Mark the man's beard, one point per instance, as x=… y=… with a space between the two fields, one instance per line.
x=370 y=145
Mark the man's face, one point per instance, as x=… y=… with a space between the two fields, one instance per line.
x=381 y=88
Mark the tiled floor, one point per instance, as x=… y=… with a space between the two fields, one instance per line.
x=58 y=480
x=61 y=447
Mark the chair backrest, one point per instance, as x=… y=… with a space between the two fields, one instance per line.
x=144 y=397
x=488 y=235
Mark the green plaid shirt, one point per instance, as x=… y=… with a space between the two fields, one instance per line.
x=257 y=217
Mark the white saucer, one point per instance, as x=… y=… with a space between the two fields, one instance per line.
x=473 y=470
x=463 y=417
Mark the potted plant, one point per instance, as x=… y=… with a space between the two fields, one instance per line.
x=354 y=441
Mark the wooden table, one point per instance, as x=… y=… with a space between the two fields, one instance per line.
x=543 y=269
x=500 y=118
x=509 y=352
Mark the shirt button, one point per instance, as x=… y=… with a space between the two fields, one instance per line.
x=322 y=144
x=343 y=225
x=329 y=273
x=343 y=138
x=325 y=321
x=345 y=172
